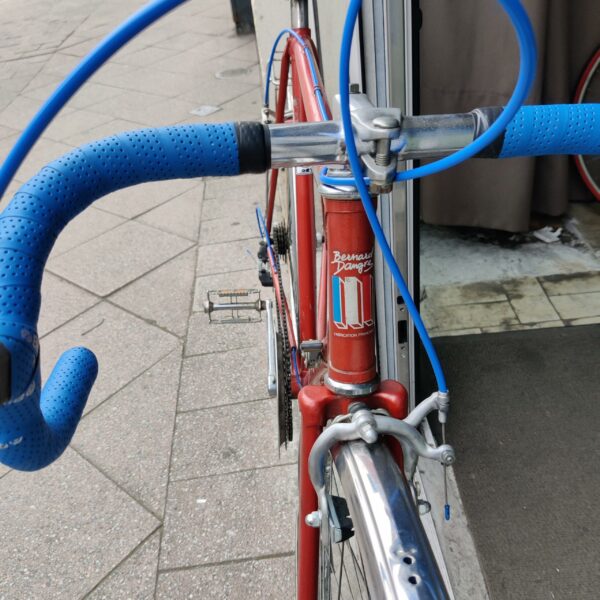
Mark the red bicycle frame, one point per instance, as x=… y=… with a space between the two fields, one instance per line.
x=343 y=318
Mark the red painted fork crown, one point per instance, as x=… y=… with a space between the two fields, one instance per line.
x=317 y=404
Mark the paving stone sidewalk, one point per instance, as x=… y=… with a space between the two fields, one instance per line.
x=173 y=486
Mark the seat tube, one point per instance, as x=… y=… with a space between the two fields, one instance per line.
x=352 y=364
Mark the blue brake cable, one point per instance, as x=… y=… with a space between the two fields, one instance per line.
x=78 y=76
x=313 y=71
x=527 y=48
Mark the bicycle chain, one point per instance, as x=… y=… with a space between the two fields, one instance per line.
x=284 y=378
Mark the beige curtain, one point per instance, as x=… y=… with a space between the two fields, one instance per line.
x=469 y=58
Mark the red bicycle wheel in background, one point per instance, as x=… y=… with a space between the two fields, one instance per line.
x=588 y=91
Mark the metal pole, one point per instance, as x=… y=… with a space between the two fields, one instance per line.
x=299 y=14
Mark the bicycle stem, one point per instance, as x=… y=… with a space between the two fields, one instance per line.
x=533 y=132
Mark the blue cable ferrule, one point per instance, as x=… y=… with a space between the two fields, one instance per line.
x=313 y=71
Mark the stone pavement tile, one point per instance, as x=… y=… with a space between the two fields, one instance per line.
x=41 y=86
x=584 y=321
x=265 y=579
x=227 y=257
x=166 y=112
x=204 y=337
x=180 y=216
x=219 y=45
x=19 y=112
x=489 y=314
x=7 y=132
x=183 y=41
x=76 y=122
x=6 y=143
x=127 y=105
x=456 y=332
x=236 y=516
x=246 y=107
x=228 y=229
x=134 y=578
x=223 y=281
x=577 y=306
x=471 y=293
x=124 y=345
x=83 y=47
x=163 y=296
x=251 y=74
x=129 y=437
x=128 y=252
x=149 y=81
x=214 y=26
x=134 y=201
x=534 y=309
x=112 y=72
x=225 y=439
x=64 y=529
x=248 y=51
x=200 y=68
x=521 y=327
x=62 y=301
x=145 y=57
x=236 y=201
x=576 y=283
x=218 y=92
x=87 y=225
x=60 y=64
x=223 y=378
x=95 y=94
x=220 y=10
x=529 y=301
x=194 y=8
x=102 y=131
x=218 y=186
x=523 y=286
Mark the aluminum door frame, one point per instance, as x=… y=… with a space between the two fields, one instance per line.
x=387 y=58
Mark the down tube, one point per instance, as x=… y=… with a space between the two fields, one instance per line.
x=306 y=108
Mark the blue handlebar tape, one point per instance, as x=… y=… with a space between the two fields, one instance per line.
x=36 y=425
x=553 y=129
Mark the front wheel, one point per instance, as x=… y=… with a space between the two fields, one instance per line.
x=388 y=557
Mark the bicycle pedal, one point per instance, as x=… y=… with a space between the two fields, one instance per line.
x=234 y=306
x=264 y=269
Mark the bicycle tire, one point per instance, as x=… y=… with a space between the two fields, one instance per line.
x=588 y=91
x=389 y=556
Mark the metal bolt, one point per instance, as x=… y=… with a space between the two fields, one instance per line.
x=448 y=457
x=313 y=519
x=382 y=147
x=368 y=433
x=386 y=122
x=424 y=507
